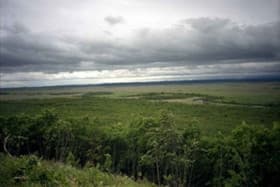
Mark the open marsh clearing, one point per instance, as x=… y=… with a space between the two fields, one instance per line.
x=213 y=106
x=239 y=93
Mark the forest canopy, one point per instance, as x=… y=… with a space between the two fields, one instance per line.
x=151 y=149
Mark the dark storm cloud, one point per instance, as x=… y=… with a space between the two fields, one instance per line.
x=190 y=42
x=205 y=40
x=194 y=41
x=22 y=50
x=114 y=20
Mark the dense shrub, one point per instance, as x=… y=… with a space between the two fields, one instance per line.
x=150 y=148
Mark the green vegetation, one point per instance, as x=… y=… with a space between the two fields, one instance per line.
x=32 y=171
x=150 y=149
x=174 y=135
x=110 y=111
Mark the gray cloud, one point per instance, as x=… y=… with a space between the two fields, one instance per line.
x=199 y=41
x=76 y=40
x=113 y=20
x=190 y=42
x=205 y=40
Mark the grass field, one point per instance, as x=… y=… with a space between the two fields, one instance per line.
x=212 y=106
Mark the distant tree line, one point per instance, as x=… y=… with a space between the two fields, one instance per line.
x=150 y=148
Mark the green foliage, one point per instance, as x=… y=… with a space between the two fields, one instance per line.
x=70 y=159
x=108 y=162
x=31 y=171
x=25 y=170
x=106 y=112
x=155 y=149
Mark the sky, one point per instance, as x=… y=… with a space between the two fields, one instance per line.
x=61 y=42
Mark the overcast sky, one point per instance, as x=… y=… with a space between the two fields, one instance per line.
x=53 y=42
